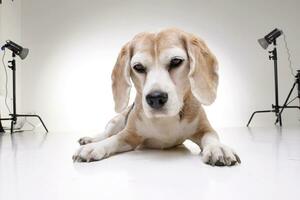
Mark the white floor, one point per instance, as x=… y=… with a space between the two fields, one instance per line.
x=38 y=166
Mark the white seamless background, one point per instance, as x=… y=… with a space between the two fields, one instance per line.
x=74 y=45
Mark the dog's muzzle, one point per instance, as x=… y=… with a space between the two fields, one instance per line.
x=157 y=99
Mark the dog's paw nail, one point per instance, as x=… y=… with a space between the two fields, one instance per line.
x=237 y=158
x=233 y=163
x=91 y=159
x=220 y=162
x=85 y=140
x=76 y=158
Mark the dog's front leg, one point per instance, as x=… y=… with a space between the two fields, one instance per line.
x=121 y=142
x=113 y=127
x=213 y=151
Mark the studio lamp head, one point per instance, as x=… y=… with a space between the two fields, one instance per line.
x=270 y=38
x=16 y=49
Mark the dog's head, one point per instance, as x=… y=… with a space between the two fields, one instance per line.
x=164 y=68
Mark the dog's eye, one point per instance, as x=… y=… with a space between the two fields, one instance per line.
x=139 y=68
x=175 y=62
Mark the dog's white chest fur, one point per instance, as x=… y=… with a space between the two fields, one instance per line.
x=165 y=133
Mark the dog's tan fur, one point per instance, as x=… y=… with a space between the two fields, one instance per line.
x=193 y=84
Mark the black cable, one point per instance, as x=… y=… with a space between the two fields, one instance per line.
x=289 y=55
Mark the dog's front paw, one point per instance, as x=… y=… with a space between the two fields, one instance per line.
x=90 y=152
x=85 y=140
x=219 y=155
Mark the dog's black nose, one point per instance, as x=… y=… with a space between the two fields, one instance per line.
x=157 y=99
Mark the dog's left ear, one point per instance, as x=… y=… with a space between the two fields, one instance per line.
x=203 y=75
x=121 y=84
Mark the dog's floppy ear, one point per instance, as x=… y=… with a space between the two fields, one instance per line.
x=203 y=75
x=121 y=84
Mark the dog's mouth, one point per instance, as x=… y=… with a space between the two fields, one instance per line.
x=161 y=113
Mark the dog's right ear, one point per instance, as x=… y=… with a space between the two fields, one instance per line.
x=121 y=84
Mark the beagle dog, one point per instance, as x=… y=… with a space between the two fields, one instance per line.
x=174 y=73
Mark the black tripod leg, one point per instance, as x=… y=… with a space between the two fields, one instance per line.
x=258 y=111
x=12 y=126
x=1 y=128
x=280 y=119
x=284 y=105
x=37 y=116
x=42 y=122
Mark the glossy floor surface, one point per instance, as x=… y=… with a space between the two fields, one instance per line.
x=39 y=166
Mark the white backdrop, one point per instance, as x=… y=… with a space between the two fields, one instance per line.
x=10 y=28
x=74 y=45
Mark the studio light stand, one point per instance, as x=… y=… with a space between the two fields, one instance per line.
x=22 y=52
x=276 y=107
